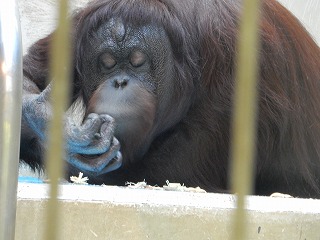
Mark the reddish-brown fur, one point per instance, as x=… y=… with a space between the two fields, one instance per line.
x=195 y=150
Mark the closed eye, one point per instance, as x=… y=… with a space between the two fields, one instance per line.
x=108 y=61
x=137 y=58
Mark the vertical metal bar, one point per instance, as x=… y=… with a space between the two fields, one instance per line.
x=10 y=113
x=60 y=78
x=245 y=110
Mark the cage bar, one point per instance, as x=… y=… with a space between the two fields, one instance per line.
x=10 y=116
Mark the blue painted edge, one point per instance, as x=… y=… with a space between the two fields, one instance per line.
x=30 y=180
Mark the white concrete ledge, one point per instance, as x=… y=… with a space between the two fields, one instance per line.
x=101 y=212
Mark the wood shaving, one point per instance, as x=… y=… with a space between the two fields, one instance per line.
x=80 y=179
x=280 y=195
x=182 y=188
x=168 y=187
x=138 y=185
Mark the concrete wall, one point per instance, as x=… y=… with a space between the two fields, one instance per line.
x=104 y=212
x=38 y=18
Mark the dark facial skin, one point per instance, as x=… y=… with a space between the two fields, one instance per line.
x=120 y=80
